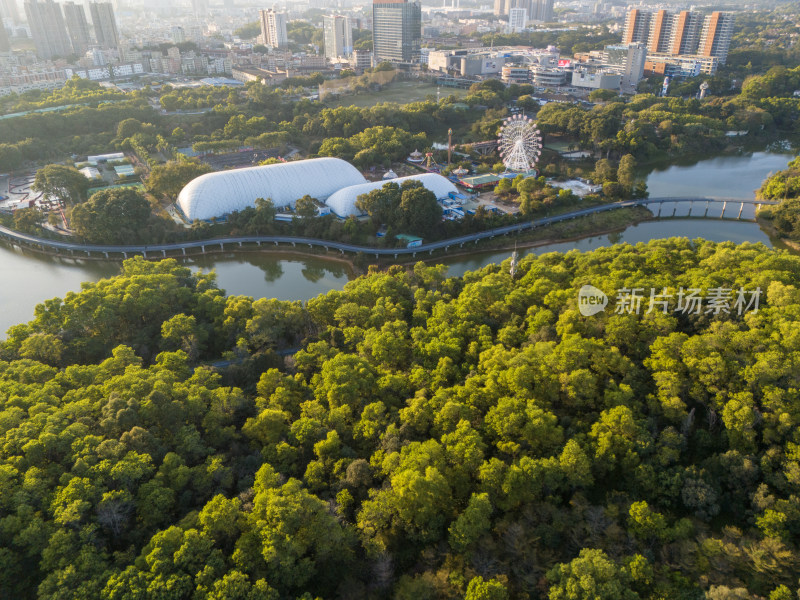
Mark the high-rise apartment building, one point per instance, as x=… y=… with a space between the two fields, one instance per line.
x=273 y=28
x=682 y=34
x=660 y=31
x=535 y=10
x=517 y=19
x=5 y=45
x=77 y=27
x=47 y=28
x=200 y=8
x=8 y=10
x=338 y=33
x=539 y=10
x=715 y=37
x=396 y=30
x=105 y=25
x=637 y=27
x=685 y=33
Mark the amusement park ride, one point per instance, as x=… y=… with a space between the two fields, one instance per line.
x=519 y=143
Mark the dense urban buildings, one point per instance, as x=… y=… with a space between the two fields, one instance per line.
x=396 y=31
x=48 y=29
x=77 y=27
x=535 y=10
x=338 y=35
x=273 y=28
x=105 y=25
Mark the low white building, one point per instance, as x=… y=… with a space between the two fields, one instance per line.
x=596 y=80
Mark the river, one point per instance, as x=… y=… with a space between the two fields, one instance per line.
x=29 y=278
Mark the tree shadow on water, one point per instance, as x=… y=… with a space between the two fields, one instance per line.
x=272 y=271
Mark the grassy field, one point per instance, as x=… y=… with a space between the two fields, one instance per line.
x=401 y=92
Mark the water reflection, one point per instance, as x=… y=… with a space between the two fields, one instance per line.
x=716 y=231
x=722 y=177
x=273 y=271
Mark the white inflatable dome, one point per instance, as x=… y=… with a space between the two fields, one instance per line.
x=217 y=194
x=343 y=202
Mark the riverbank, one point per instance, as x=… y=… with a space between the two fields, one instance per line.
x=358 y=260
x=775 y=236
x=607 y=223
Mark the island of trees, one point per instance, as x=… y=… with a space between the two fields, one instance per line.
x=410 y=437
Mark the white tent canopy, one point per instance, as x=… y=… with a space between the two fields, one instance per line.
x=343 y=202
x=218 y=194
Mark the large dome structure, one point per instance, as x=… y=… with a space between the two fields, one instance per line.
x=217 y=194
x=343 y=202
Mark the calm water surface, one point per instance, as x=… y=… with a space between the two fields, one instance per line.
x=27 y=278
x=723 y=177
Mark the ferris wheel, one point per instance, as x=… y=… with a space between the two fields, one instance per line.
x=519 y=143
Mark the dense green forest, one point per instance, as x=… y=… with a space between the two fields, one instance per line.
x=432 y=438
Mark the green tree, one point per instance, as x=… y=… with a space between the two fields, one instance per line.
x=419 y=212
x=60 y=182
x=480 y=589
x=28 y=220
x=306 y=207
x=473 y=523
x=591 y=575
x=170 y=178
x=112 y=216
x=626 y=173
x=381 y=204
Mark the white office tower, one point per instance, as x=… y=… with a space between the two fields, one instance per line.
x=338 y=37
x=273 y=28
x=177 y=34
x=517 y=19
x=628 y=60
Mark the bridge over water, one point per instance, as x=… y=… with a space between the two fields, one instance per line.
x=221 y=244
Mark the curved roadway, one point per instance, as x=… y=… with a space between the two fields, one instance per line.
x=56 y=245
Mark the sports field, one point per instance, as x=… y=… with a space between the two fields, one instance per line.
x=401 y=92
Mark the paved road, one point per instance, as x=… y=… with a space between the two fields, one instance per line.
x=155 y=249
